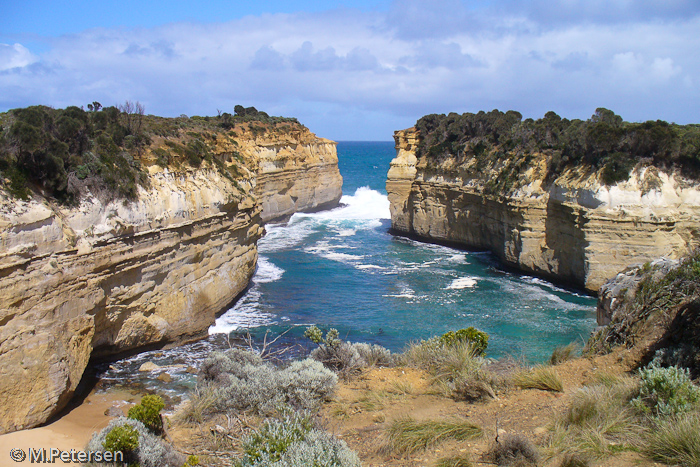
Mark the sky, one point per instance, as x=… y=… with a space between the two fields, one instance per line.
x=356 y=70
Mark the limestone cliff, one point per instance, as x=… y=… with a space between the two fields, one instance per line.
x=297 y=172
x=572 y=229
x=107 y=276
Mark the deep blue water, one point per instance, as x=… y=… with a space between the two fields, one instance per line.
x=343 y=269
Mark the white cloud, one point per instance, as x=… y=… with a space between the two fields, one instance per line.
x=329 y=68
x=15 y=56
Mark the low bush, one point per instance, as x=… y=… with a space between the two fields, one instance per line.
x=151 y=451
x=148 y=412
x=240 y=380
x=478 y=339
x=374 y=355
x=293 y=442
x=124 y=439
x=666 y=391
x=472 y=390
x=513 y=450
x=539 y=377
x=343 y=357
x=407 y=435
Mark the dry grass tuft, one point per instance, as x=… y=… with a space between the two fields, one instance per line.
x=675 y=441
x=599 y=422
x=541 y=377
x=564 y=353
x=455 y=461
x=407 y=435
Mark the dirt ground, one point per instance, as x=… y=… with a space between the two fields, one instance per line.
x=364 y=406
x=360 y=413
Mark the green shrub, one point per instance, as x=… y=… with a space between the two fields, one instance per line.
x=148 y=412
x=666 y=391
x=478 y=339
x=151 y=450
x=122 y=438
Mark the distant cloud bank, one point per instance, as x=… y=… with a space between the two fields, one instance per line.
x=356 y=75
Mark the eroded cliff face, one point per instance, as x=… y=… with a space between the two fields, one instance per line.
x=572 y=229
x=297 y=172
x=111 y=276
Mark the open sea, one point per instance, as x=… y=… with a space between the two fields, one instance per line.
x=343 y=269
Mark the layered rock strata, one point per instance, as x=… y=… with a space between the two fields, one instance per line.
x=297 y=172
x=110 y=276
x=572 y=229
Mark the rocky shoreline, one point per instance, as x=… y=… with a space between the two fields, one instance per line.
x=108 y=276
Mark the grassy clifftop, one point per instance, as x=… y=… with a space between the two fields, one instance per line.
x=604 y=144
x=60 y=152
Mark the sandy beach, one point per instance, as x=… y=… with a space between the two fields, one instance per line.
x=72 y=430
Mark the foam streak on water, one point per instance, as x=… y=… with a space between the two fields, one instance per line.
x=341 y=268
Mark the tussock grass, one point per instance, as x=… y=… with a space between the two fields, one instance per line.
x=340 y=410
x=599 y=422
x=609 y=379
x=401 y=387
x=203 y=401
x=675 y=441
x=373 y=400
x=446 y=362
x=407 y=435
x=455 y=461
x=541 y=377
x=564 y=353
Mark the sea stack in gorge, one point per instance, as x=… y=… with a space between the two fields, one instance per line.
x=526 y=192
x=149 y=259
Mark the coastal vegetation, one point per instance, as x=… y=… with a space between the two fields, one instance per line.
x=251 y=410
x=61 y=153
x=604 y=144
x=644 y=410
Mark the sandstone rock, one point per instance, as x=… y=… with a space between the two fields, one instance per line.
x=164 y=377
x=149 y=366
x=108 y=276
x=114 y=411
x=572 y=230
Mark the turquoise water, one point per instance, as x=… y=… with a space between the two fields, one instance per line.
x=343 y=269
